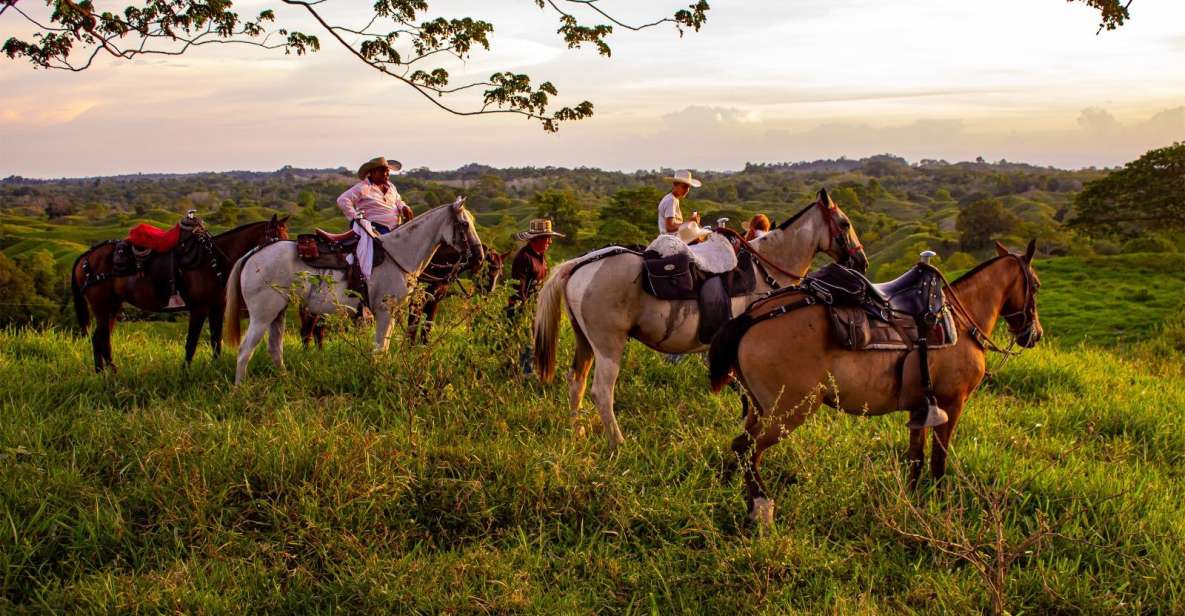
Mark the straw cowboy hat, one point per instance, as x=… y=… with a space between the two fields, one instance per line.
x=684 y=177
x=691 y=232
x=376 y=163
x=539 y=227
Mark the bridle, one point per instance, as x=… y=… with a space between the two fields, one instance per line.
x=1024 y=330
x=836 y=235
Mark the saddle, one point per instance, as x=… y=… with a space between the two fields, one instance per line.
x=159 y=255
x=904 y=314
x=324 y=250
x=711 y=273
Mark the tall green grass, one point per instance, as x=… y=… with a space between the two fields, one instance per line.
x=437 y=479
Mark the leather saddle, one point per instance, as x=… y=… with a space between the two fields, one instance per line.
x=324 y=250
x=711 y=274
x=892 y=315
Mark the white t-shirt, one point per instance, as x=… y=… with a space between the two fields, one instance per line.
x=668 y=208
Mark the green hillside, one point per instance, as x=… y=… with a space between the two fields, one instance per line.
x=434 y=479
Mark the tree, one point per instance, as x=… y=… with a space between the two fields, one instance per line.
x=983 y=221
x=637 y=207
x=307 y=199
x=562 y=209
x=1148 y=193
x=402 y=40
x=22 y=304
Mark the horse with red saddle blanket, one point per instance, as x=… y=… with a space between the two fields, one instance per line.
x=156 y=270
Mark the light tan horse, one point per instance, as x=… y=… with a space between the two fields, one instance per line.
x=791 y=364
x=607 y=305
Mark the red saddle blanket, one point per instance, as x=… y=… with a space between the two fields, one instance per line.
x=147 y=236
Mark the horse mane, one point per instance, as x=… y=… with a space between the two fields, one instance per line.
x=244 y=227
x=789 y=221
x=978 y=268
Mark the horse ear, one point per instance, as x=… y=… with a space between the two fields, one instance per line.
x=824 y=198
x=1001 y=249
x=273 y=217
x=1030 y=251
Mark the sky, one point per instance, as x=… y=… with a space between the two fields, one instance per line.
x=764 y=81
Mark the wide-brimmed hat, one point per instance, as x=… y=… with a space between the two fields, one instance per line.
x=691 y=231
x=540 y=227
x=376 y=163
x=684 y=177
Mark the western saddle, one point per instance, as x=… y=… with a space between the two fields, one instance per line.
x=325 y=250
x=905 y=314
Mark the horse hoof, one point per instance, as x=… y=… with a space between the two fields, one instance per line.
x=762 y=513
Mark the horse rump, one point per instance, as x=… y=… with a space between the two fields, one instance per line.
x=722 y=355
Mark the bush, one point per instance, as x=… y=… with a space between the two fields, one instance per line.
x=1150 y=243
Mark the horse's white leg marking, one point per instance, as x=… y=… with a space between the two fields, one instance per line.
x=578 y=377
x=763 y=512
x=275 y=341
x=382 y=327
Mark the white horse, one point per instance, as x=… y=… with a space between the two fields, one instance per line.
x=607 y=304
x=268 y=278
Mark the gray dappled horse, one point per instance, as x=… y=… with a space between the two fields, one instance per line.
x=607 y=305
x=266 y=280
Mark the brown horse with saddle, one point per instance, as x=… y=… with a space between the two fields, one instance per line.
x=152 y=272
x=916 y=343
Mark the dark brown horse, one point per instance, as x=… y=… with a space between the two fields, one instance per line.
x=200 y=280
x=445 y=269
x=783 y=352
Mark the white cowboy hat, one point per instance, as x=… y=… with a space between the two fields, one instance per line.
x=538 y=228
x=376 y=163
x=691 y=231
x=684 y=177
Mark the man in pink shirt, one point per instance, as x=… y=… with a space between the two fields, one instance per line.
x=374 y=203
x=373 y=208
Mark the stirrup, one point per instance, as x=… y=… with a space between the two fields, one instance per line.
x=934 y=416
x=175 y=301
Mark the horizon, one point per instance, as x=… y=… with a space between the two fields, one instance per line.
x=1015 y=80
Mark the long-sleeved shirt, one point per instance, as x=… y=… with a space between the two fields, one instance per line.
x=529 y=270
x=378 y=205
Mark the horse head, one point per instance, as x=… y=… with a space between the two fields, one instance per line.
x=488 y=272
x=1020 y=304
x=463 y=233
x=276 y=229
x=823 y=227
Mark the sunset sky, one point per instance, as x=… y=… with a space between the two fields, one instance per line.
x=765 y=81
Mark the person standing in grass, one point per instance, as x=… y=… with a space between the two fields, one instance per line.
x=528 y=271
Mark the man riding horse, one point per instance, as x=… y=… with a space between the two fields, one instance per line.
x=373 y=206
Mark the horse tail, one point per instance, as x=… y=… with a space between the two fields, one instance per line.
x=722 y=355
x=547 y=319
x=234 y=303
x=80 y=308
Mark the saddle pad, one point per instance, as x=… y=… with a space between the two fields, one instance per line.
x=713 y=255
x=145 y=235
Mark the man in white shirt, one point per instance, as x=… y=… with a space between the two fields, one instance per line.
x=670 y=217
x=373 y=207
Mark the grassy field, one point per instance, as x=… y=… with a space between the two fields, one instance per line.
x=437 y=480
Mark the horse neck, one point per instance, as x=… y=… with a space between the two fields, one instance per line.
x=792 y=248
x=982 y=293
x=236 y=242
x=413 y=244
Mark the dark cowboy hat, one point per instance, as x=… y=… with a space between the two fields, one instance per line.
x=539 y=227
x=376 y=163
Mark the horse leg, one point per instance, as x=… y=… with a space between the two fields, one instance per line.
x=308 y=327
x=608 y=364
x=764 y=432
x=916 y=455
x=197 y=318
x=101 y=339
x=382 y=328
x=215 y=318
x=255 y=331
x=942 y=438
x=582 y=361
x=429 y=314
x=275 y=341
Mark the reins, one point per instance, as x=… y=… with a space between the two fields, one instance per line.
x=977 y=332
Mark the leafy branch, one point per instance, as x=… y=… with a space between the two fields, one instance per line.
x=401 y=40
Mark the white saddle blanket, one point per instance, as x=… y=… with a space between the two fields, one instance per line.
x=713 y=255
